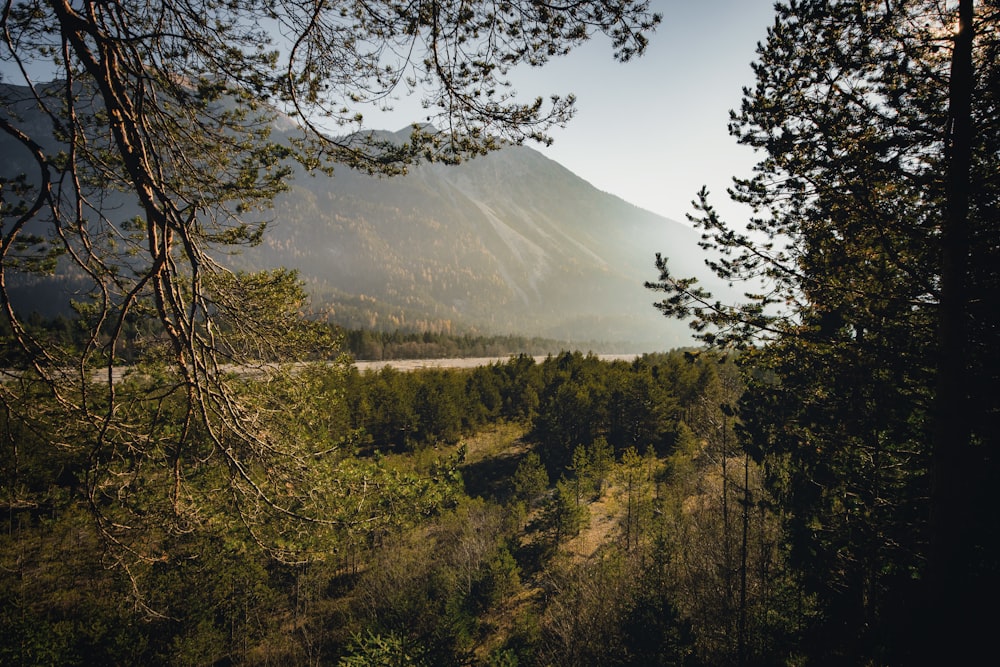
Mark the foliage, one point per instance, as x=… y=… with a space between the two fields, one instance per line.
x=562 y=515
x=382 y=345
x=582 y=402
x=867 y=351
x=431 y=586
x=169 y=110
x=530 y=479
x=378 y=651
x=721 y=551
x=413 y=568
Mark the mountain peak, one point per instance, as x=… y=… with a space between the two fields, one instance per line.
x=508 y=242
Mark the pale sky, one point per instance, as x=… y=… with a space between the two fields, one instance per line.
x=654 y=130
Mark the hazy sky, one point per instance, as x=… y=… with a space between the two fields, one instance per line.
x=654 y=130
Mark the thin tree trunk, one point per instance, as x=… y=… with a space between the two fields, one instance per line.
x=951 y=529
x=727 y=557
x=744 y=548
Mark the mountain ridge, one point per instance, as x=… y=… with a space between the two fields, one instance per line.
x=511 y=242
x=539 y=250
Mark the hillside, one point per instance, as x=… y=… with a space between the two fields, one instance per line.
x=511 y=242
x=508 y=242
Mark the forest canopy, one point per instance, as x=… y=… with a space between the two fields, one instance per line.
x=168 y=108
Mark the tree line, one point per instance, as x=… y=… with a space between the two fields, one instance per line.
x=453 y=507
x=72 y=331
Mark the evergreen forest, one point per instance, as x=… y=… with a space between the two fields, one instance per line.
x=573 y=511
x=194 y=472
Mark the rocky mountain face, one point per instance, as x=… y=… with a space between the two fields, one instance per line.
x=511 y=242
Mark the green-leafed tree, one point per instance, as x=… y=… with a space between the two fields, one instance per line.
x=600 y=461
x=562 y=516
x=873 y=243
x=441 y=401
x=530 y=479
x=142 y=140
x=640 y=410
x=371 y=650
x=520 y=384
x=573 y=407
x=633 y=481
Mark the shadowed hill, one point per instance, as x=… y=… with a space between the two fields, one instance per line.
x=510 y=242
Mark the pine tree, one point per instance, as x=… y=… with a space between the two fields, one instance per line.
x=872 y=357
x=153 y=145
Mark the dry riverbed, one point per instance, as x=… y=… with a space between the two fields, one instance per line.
x=462 y=362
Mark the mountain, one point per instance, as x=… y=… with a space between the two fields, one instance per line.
x=511 y=242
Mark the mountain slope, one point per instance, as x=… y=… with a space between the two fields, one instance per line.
x=511 y=242
x=508 y=242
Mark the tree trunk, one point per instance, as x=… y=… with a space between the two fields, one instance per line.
x=952 y=608
x=742 y=634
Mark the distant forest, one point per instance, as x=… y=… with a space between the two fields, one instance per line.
x=364 y=344
x=361 y=344
x=570 y=512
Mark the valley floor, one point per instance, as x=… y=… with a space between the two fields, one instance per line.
x=463 y=362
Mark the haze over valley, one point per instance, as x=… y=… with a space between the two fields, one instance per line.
x=507 y=243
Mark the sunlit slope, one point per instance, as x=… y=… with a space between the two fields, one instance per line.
x=509 y=242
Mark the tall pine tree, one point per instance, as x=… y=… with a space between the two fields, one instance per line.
x=867 y=265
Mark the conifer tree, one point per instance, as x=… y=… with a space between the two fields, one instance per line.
x=145 y=140
x=872 y=355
